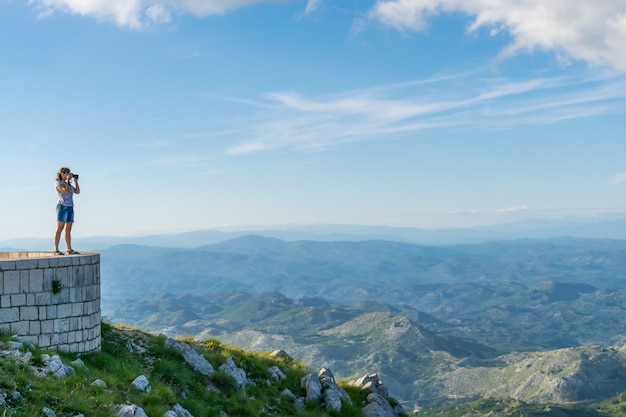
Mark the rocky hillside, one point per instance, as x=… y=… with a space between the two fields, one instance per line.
x=139 y=374
x=419 y=361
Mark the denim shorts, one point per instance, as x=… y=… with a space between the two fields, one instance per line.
x=65 y=214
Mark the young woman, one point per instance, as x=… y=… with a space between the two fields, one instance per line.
x=65 y=208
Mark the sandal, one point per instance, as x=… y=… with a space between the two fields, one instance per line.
x=58 y=253
x=72 y=252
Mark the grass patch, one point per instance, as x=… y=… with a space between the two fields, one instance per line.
x=127 y=353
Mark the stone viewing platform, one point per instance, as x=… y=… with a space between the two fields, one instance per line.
x=51 y=301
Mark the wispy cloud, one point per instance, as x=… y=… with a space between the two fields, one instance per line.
x=619 y=178
x=300 y=122
x=312 y=6
x=594 y=32
x=513 y=210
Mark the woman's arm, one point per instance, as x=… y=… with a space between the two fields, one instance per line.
x=76 y=186
x=63 y=188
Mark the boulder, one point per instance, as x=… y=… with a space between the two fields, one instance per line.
x=131 y=411
x=378 y=407
x=276 y=373
x=328 y=382
x=48 y=412
x=238 y=374
x=287 y=393
x=279 y=353
x=192 y=357
x=332 y=400
x=299 y=403
x=371 y=382
x=179 y=411
x=79 y=363
x=311 y=383
x=99 y=383
x=54 y=366
x=142 y=383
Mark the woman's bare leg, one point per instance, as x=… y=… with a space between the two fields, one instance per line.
x=68 y=236
x=57 y=235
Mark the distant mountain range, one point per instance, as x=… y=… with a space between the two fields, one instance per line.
x=605 y=227
x=424 y=316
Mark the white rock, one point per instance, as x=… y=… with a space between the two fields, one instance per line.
x=142 y=383
x=180 y=411
x=276 y=373
x=48 y=412
x=99 y=383
x=131 y=411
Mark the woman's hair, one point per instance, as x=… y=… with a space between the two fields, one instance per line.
x=61 y=172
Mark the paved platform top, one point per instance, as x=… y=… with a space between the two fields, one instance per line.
x=11 y=256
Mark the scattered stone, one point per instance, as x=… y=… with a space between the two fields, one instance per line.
x=326 y=377
x=192 y=357
x=238 y=374
x=287 y=393
x=17 y=396
x=279 y=353
x=299 y=403
x=54 y=366
x=276 y=373
x=371 y=382
x=48 y=412
x=15 y=345
x=179 y=411
x=15 y=350
x=99 y=383
x=131 y=411
x=79 y=363
x=142 y=383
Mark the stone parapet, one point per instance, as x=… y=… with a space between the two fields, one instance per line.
x=51 y=301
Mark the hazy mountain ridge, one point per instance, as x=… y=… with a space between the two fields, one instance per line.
x=492 y=292
x=438 y=314
x=600 y=227
x=351 y=272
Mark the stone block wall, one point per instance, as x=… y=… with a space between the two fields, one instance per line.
x=51 y=301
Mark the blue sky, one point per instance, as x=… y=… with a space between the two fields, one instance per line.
x=189 y=114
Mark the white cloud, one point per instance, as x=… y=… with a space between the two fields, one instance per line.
x=123 y=12
x=619 y=178
x=158 y=14
x=512 y=210
x=592 y=31
x=137 y=13
x=292 y=120
x=312 y=6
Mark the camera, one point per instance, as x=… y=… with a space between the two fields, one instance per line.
x=75 y=176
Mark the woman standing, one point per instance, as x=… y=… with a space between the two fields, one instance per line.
x=65 y=208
